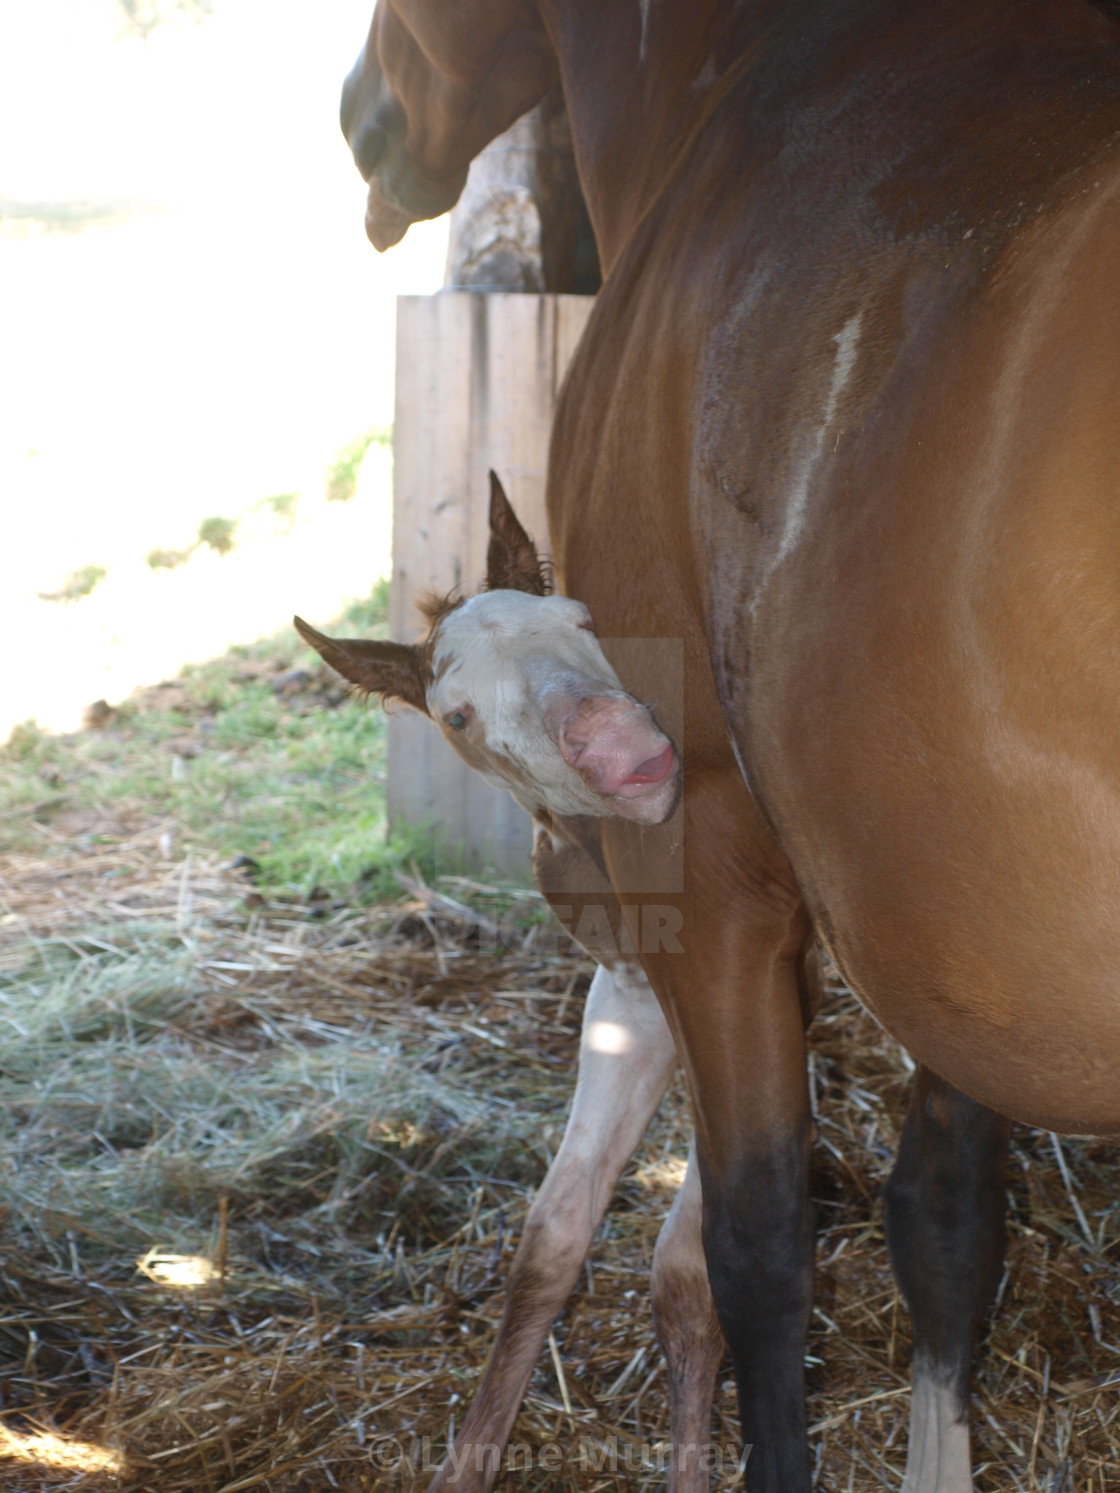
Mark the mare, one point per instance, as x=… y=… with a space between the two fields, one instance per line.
x=843 y=421
x=522 y=690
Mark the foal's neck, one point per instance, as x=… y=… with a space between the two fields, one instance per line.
x=637 y=77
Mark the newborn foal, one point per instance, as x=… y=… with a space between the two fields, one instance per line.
x=518 y=683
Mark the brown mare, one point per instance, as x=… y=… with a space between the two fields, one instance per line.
x=845 y=421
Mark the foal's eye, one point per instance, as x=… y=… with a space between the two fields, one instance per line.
x=458 y=721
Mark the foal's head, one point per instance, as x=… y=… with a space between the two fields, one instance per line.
x=435 y=83
x=517 y=682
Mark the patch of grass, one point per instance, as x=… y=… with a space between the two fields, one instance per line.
x=282 y=505
x=261 y=753
x=342 y=474
x=24 y=741
x=78 y=583
x=370 y=614
x=219 y=533
x=166 y=559
x=144 y=1086
x=71 y=216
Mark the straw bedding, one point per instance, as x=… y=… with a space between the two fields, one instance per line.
x=317 y=1128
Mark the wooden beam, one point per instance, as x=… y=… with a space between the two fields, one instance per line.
x=477 y=379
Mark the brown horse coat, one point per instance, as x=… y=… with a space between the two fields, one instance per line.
x=845 y=421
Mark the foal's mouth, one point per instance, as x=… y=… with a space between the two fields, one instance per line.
x=651 y=792
x=654 y=770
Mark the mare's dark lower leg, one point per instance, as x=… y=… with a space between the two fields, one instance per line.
x=733 y=996
x=758 y=1238
x=946 y=1200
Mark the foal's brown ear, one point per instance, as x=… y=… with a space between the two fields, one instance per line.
x=512 y=562
x=391 y=670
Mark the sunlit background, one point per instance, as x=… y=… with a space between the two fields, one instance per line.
x=192 y=327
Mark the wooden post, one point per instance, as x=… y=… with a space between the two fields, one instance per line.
x=477 y=378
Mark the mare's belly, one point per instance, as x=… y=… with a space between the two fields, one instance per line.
x=940 y=758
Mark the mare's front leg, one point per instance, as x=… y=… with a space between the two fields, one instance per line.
x=626 y=1059
x=946 y=1201
x=736 y=999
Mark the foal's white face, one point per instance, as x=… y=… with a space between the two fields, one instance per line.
x=517 y=682
x=522 y=690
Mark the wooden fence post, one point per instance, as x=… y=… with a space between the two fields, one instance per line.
x=477 y=378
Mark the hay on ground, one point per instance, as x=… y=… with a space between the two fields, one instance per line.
x=318 y=1128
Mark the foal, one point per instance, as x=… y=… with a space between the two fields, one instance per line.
x=518 y=683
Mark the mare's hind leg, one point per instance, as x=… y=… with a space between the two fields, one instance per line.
x=688 y=1330
x=945 y=1209
x=626 y=1059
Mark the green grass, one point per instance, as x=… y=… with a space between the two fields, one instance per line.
x=219 y=533
x=141 y=1084
x=282 y=506
x=167 y=559
x=234 y=766
x=78 y=584
x=342 y=475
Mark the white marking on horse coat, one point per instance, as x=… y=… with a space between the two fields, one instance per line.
x=847 y=344
x=643 y=6
x=937 y=1458
x=738 y=755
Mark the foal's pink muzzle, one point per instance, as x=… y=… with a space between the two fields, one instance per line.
x=617 y=749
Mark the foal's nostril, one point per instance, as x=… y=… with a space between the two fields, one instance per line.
x=571 y=748
x=369 y=147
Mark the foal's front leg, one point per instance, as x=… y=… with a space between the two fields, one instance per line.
x=626 y=1059
x=688 y=1330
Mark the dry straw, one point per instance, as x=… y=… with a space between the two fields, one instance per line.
x=317 y=1129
